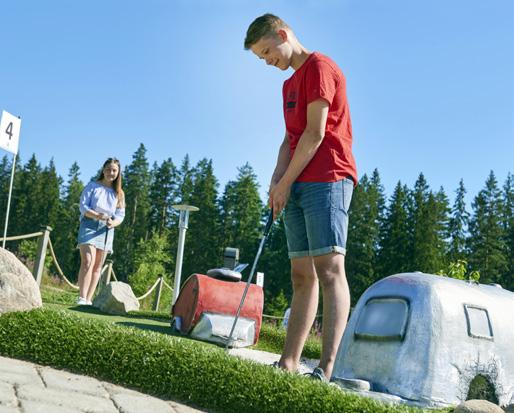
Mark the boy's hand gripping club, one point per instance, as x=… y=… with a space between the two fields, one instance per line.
x=250 y=277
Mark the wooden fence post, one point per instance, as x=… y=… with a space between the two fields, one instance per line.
x=39 y=265
x=157 y=298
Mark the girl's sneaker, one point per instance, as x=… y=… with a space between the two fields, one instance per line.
x=81 y=301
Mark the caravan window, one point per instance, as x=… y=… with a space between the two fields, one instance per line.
x=479 y=325
x=383 y=319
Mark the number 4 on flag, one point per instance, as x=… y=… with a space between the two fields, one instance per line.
x=9 y=132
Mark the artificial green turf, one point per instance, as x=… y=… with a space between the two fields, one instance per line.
x=167 y=366
x=271 y=337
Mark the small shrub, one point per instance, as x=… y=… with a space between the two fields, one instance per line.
x=150 y=261
x=458 y=270
x=27 y=253
x=277 y=305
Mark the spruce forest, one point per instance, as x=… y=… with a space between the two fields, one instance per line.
x=414 y=229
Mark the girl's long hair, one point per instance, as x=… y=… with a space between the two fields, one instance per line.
x=116 y=184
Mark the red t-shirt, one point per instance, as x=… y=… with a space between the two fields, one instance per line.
x=320 y=77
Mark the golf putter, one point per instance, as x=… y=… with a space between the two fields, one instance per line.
x=107 y=235
x=250 y=277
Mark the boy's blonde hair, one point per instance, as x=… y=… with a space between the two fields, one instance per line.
x=263 y=26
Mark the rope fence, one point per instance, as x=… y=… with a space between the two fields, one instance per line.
x=150 y=290
x=113 y=274
x=17 y=237
x=167 y=285
x=59 y=270
x=46 y=241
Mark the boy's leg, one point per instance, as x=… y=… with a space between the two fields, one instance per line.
x=325 y=207
x=336 y=306
x=303 y=311
x=305 y=283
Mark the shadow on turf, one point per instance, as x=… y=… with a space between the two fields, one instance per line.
x=166 y=329
x=163 y=329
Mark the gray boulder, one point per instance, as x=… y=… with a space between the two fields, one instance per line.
x=18 y=289
x=478 y=406
x=116 y=298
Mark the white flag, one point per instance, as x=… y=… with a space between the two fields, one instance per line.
x=9 y=132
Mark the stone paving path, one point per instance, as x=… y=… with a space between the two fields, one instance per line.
x=30 y=388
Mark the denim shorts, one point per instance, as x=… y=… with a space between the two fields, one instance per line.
x=94 y=233
x=316 y=217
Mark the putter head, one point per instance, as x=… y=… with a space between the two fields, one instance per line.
x=229 y=344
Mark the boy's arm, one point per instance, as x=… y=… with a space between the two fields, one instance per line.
x=283 y=159
x=312 y=136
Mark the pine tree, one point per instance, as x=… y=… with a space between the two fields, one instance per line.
x=394 y=256
x=439 y=213
x=458 y=226
x=242 y=214
x=487 y=237
x=358 y=257
x=66 y=228
x=418 y=224
x=365 y=217
x=163 y=192
x=186 y=184
x=428 y=218
x=181 y=195
x=508 y=227
x=136 y=185
x=27 y=215
x=50 y=205
x=203 y=250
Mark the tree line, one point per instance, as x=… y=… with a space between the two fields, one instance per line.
x=415 y=229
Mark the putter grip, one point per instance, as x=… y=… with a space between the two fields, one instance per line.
x=269 y=222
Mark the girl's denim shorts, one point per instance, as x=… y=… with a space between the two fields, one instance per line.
x=95 y=233
x=316 y=217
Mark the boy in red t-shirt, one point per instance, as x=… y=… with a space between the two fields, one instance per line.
x=313 y=181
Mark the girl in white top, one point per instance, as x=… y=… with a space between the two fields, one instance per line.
x=102 y=207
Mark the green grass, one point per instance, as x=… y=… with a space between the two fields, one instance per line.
x=167 y=366
x=55 y=295
x=134 y=319
x=271 y=337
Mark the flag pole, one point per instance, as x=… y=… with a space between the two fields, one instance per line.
x=9 y=200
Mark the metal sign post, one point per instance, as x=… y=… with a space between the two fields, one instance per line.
x=9 y=137
x=183 y=220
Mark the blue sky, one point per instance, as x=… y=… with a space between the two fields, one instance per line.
x=430 y=83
